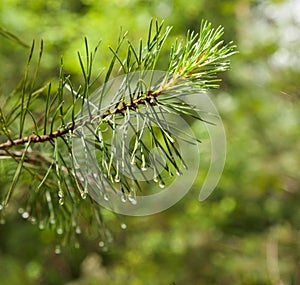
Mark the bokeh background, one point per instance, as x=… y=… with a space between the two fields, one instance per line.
x=248 y=230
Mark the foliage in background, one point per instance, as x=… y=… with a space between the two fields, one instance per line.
x=248 y=231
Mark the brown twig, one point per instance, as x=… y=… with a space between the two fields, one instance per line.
x=34 y=138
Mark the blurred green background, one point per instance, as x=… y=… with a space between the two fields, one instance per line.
x=247 y=231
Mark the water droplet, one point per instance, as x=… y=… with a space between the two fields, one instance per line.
x=78 y=230
x=57 y=249
x=61 y=201
x=1 y=207
x=60 y=194
x=101 y=243
x=41 y=226
x=179 y=173
x=132 y=162
x=155 y=179
x=20 y=211
x=95 y=175
x=123 y=226
x=81 y=179
x=117 y=179
x=25 y=215
x=105 y=197
x=33 y=220
x=59 y=231
x=83 y=195
x=132 y=200
x=143 y=168
x=52 y=221
x=162 y=184
x=123 y=198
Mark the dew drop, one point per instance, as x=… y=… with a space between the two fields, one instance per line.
x=61 y=201
x=25 y=215
x=123 y=198
x=41 y=226
x=155 y=179
x=83 y=195
x=101 y=243
x=117 y=179
x=78 y=230
x=59 y=231
x=57 y=249
x=105 y=197
x=52 y=221
x=20 y=211
x=179 y=173
x=132 y=200
x=162 y=184
x=60 y=194
x=123 y=226
x=144 y=168
x=81 y=179
x=33 y=220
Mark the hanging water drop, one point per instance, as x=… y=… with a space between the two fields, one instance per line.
x=60 y=194
x=57 y=249
x=83 y=195
x=162 y=184
x=117 y=179
x=123 y=226
x=61 y=201
x=78 y=230
x=20 y=211
x=41 y=226
x=144 y=168
x=101 y=243
x=25 y=215
x=52 y=221
x=155 y=179
x=59 y=231
x=179 y=173
x=33 y=220
x=123 y=198
x=105 y=197
x=132 y=200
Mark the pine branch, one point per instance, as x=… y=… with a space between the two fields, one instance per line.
x=60 y=185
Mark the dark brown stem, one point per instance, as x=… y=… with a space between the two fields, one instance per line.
x=34 y=138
